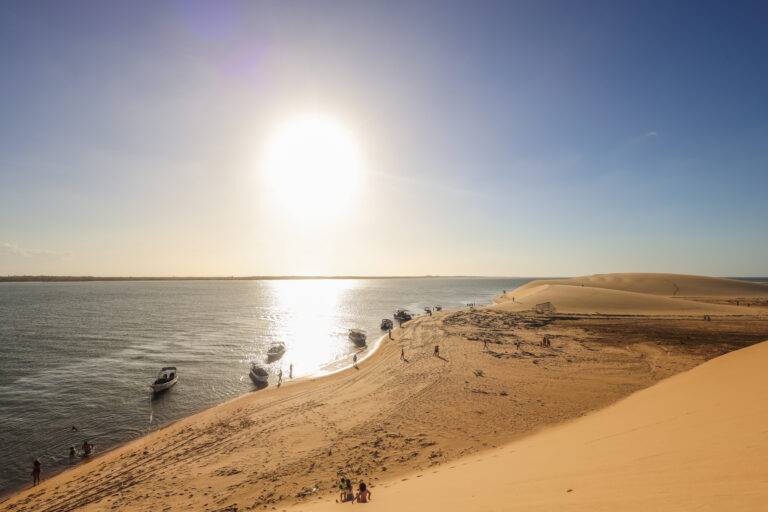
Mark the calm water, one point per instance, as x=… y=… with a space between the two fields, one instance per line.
x=84 y=354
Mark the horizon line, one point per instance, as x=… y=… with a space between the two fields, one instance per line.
x=69 y=278
x=28 y=278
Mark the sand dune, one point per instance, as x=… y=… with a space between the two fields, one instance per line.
x=667 y=285
x=696 y=441
x=587 y=300
x=640 y=294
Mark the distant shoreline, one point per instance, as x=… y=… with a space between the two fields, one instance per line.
x=77 y=279
x=63 y=279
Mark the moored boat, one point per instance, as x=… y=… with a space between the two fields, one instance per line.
x=358 y=337
x=259 y=375
x=276 y=351
x=166 y=379
x=402 y=315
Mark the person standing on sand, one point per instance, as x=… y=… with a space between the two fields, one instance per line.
x=36 y=467
x=485 y=344
x=279 y=377
x=290 y=371
x=354 y=360
x=390 y=333
x=402 y=353
x=436 y=353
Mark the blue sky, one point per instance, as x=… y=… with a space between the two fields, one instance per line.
x=499 y=138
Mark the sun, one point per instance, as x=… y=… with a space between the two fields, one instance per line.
x=312 y=166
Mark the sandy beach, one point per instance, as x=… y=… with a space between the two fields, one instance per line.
x=562 y=426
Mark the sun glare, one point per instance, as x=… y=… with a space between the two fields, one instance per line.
x=312 y=166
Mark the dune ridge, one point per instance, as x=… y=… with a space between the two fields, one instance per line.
x=641 y=294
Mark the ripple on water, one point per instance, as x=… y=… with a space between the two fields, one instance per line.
x=84 y=354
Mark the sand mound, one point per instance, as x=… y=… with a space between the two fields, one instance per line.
x=587 y=300
x=696 y=441
x=667 y=285
x=637 y=294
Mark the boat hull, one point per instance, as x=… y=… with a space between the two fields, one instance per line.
x=275 y=355
x=259 y=379
x=158 y=388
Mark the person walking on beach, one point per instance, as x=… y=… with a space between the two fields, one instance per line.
x=390 y=333
x=402 y=353
x=36 y=466
x=290 y=371
x=436 y=353
x=279 y=377
x=485 y=344
x=354 y=361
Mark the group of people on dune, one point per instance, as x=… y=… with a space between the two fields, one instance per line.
x=347 y=494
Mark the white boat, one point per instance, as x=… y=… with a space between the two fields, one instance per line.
x=167 y=378
x=259 y=375
x=358 y=337
x=276 y=351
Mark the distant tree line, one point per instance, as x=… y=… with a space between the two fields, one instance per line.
x=44 y=279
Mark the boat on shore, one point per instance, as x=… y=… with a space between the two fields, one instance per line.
x=358 y=337
x=166 y=379
x=259 y=374
x=402 y=315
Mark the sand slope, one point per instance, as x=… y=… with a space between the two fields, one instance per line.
x=696 y=441
x=637 y=294
x=667 y=285
x=587 y=300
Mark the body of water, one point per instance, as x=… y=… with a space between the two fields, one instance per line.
x=83 y=354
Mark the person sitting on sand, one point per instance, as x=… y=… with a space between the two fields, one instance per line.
x=363 y=494
x=36 y=467
x=349 y=494
x=343 y=490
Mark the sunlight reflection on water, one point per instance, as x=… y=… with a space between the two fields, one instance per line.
x=84 y=353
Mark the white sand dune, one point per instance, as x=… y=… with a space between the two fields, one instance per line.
x=638 y=294
x=696 y=441
x=667 y=285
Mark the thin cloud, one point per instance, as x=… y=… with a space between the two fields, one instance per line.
x=13 y=250
x=654 y=135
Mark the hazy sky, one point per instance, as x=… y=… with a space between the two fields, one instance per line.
x=509 y=138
